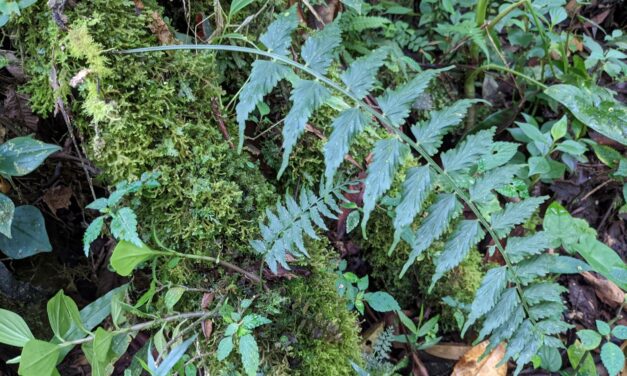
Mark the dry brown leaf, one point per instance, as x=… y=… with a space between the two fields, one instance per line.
x=207 y=328
x=607 y=291
x=207 y=299
x=58 y=198
x=469 y=364
x=450 y=351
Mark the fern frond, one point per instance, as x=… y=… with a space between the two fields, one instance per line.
x=360 y=76
x=501 y=312
x=396 y=104
x=278 y=36
x=284 y=233
x=481 y=190
x=467 y=234
x=387 y=157
x=491 y=287
x=416 y=188
x=361 y=23
x=500 y=153
x=468 y=152
x=348 y=124
x=544 y=292
x=519 y=248
x=317 y=51
x=441 y=213
x=429 y=134
x=307 y=96
x=514 y=214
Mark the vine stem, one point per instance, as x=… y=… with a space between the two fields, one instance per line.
x=379 y=116
x=201 y=315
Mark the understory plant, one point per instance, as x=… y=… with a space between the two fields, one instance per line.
x=516 y=301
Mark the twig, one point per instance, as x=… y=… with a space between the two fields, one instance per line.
x=218 y=116
x=313 y=11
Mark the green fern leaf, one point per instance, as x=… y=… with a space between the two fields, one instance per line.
x=416 y=188
x=539 y=266
x=550 y=327
x=441 y=213
x=501 y=312
x=361 y=23
x=516 y=344
x=481 y=190
x=544 y=292
x=307 y=96
x=505 y=331
x=529 y=350
x=317 y=52
x=396 y=104
x=278 y=36
x=429 y=134
x=487 y=295
x=360 y=76
x=514 y=214
x=348 y=124
x=546 y=310
x=264 y=76
x=388 y=155
x=500 y=153
x=519 y=248
x=466 y=235
x=468 y=152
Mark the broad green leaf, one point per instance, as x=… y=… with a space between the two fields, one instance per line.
x=590 y=339
x=445 y=208
x=102 y=344
x=602 y=258
x=172 y=296
x=317 y=51
x=603 y=327
x=487 y=295
x=467 y=234
x=92 y=233
x=542 y=141
x=348 y=124
x=539 y=166
x=250 y=354
x=620 y=332
x=224 y=348
x=409 y=324
x=388 y=155
x=13 y=329
x=98 y=204
x=126 y=256
x=307 y=96
x=595 y=107
x=7 y=210
x=613 y=358
x=62 y=314
x=39 y=358
x=396 y=104
x=575 y=355
x=352 y=221
x=514 y=214
x=563 y=228
x=381 y=301
x=500 y=153
x=28 y=232
x=124 y=226
x=20 y=156
x=559 y=128
x=468 y=152
x=551 y=359
x=237 y=6
x=609 y=156
x=429 y=134
x=360 y=76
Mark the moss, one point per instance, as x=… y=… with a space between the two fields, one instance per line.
x=412 y=290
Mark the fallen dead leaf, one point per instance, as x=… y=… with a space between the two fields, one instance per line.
x=605 y=290
x=469 y=364
x=207 y=299
x=207 y=328
x=450 y=351
x=58 y=197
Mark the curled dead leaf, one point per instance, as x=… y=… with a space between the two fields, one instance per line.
x=207 y=328
x=450 y=351
x=606 y=290
x=470 y=365
x=207 y=299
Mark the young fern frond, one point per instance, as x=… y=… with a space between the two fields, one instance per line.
x=283 y=234
x=514 y=301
